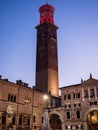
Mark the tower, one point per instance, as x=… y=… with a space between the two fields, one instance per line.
x=46 y=52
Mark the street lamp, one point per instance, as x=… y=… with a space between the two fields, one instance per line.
x=45 y=115
x=46 y=99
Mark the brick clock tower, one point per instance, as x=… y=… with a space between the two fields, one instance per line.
x=46 y=53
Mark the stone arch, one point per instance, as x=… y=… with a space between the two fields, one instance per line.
x=59 y=116
x=57 y=113
x=88 y=111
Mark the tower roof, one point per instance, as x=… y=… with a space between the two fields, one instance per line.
x=46 y=13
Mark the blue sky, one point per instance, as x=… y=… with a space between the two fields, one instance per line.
x=77 y=39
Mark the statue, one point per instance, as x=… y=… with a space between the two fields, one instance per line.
x=9 y=110
x=45 y=121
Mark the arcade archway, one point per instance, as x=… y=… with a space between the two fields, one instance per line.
x=92 y=120
x=55 y=122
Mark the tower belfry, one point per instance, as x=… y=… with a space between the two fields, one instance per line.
x=46 y=52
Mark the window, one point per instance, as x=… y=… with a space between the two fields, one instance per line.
x=64 y=97
x=79 y=104
x=68 y=96
x=93 y=103
x=78 y=114
x=73 y=96
x=74 y=105
x=85 y=93
x=42 y=119
x=65 y=106
x=97 y=92
x=14 y=98
x=13 y=120
x=92 y=93
x=79 y=127
x=11 y=98
x=68 y=115
x=20 y=120
x=68 y=127
x=34 y=120
x=28 y=121
x=3 y=120
x=78 y=95
x=69 y=105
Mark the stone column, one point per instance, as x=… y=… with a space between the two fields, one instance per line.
x=63 y=125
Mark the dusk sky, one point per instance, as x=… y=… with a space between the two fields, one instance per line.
x=77 y=39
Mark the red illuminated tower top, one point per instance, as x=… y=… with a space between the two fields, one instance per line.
x=46 y=13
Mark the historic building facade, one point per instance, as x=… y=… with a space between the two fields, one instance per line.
x=23 y=107
x=80 y=104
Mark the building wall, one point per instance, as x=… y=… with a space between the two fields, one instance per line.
x=21 y=107
x=78 y=104
x=20 y=101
